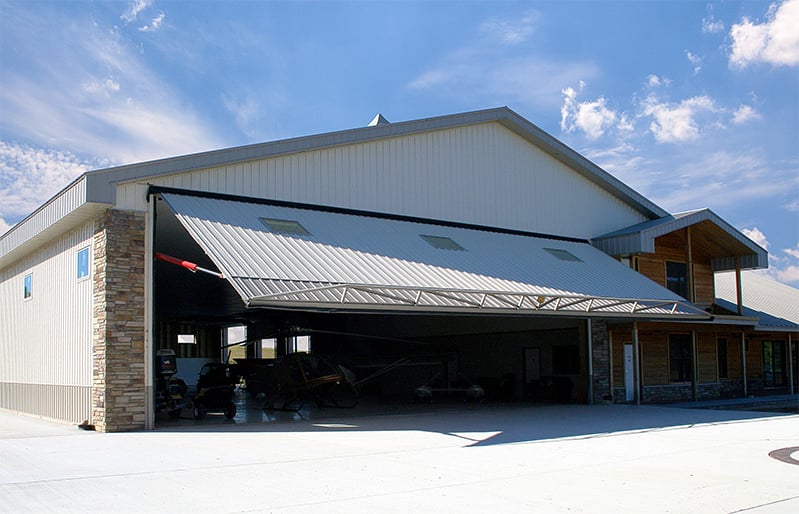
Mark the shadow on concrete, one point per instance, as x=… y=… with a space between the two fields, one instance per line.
x=478 y=425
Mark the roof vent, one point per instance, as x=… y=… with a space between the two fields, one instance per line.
x=379 y=120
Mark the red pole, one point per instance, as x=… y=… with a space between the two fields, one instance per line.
x=186 y=264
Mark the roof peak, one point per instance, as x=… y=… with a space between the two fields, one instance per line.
x=379 y=119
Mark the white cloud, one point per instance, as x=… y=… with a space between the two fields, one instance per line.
x=653 y=81
x=593 y=118
x=695 y=60
x=712 y=26
x=97 y=96
x=789 y=274
x=744 y=113
x=29 y=176
x=155 y=24
x=245 y=110
x=673 y=123
x=775 y=42
x=784 y=265
x=757 y=236
x=491 y=78
x=511 y=31
x=502 y=70
x=135 y=7
x=105 y=86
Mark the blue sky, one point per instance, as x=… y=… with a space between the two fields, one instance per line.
x=694 y=104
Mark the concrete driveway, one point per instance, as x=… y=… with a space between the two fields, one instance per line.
x=483 y=459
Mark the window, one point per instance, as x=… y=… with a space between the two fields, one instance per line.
x=677 y=278
x=562 y=255
x=83 y=262
x=268 y=348
x=298 y=344
x=27 y=288
x=289 y=227
x=443 y=243
x=774 y=364
x=681 y=367
x=722 y=355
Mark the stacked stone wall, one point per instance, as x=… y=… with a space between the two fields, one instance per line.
x=118 y=390
x=600 y=355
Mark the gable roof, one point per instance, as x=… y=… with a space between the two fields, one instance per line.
x=96 y=190
x=774 y=303
x=721 y=237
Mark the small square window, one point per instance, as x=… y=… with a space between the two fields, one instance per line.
x=83 y=262
x=562 y=255
x=290 y=227
x=27 y=288
x=443 y=243
x=187 y=339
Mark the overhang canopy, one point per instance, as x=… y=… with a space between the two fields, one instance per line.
x=720 y=240
x=282 y=255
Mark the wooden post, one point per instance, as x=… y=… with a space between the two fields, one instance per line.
x=610 y=366
x=690 y=265
x=589 y=336
x=790 y=364
x=694 y=366
x=743 y=361
x=636 y=365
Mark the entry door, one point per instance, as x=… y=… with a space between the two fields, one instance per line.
x=629 y=373
x=532 y=364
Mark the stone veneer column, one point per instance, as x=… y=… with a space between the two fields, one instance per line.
x=118 y=389
x=600 y=345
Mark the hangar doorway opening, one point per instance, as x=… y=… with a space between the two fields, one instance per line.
x=398 y=308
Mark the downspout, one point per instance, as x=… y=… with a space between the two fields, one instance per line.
x=636 y=370
x=589 y=336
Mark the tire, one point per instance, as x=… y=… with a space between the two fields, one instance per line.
x=230 y=411
x=199 y=410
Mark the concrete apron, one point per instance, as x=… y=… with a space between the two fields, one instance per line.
x=483 y=459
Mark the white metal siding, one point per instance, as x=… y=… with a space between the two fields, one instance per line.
x=482 y=174
x=46 y=340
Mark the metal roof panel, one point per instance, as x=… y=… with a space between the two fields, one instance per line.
x=360 y=261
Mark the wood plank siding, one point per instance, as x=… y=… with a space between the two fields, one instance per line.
x=673 y=248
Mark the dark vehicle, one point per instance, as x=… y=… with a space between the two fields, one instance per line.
x=216 y=387
x=170 y=391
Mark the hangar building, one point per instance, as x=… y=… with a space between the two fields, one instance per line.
x=468 y=247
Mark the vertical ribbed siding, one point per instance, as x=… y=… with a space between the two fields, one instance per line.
x=46 y=341
x=58 y=402
x=483 y=174
x=67 y=202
